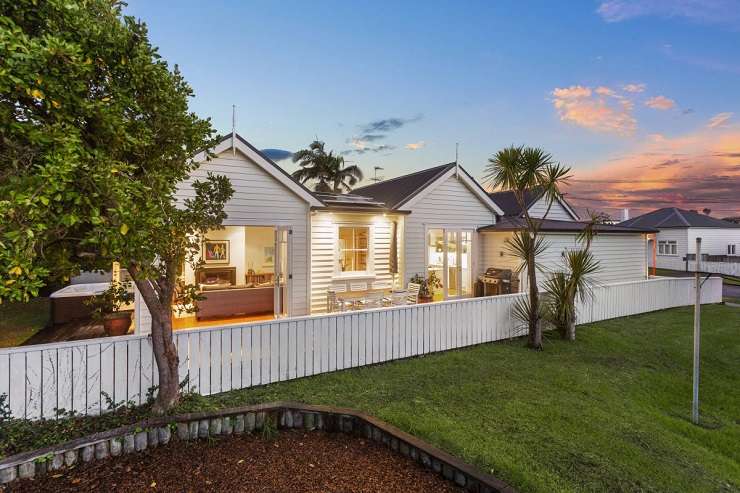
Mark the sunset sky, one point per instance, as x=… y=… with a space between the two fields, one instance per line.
x=640 y=97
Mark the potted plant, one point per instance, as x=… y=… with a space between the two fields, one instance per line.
x=428 y=286
x=107 y=308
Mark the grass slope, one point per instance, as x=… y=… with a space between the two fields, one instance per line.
x=606 y=413
x=19 y=321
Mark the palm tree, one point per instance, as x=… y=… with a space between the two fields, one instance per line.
x=519 y=169
x=326 y=169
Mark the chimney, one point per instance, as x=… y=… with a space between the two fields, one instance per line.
x=625 y=214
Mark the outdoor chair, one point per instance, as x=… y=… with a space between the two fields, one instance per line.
x=412 y=295
x=334 y=304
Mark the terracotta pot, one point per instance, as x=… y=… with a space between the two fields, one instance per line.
x=426 y=299
x=117 y=324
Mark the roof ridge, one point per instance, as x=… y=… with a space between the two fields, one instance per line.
x=403 y=176
x=677 y=211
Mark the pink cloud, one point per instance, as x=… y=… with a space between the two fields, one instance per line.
x=599 y=110
x=660 y=103
x=719 y=120
x=697 y=170
x=634 y=88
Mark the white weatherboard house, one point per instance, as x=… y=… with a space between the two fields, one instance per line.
x=284 y=247
x=622 y=252
x=675 y=243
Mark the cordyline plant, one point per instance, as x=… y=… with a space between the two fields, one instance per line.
x=522 y=170
x=575 y=282
x=95 y=135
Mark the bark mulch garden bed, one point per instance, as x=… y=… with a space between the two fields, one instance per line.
x=291 y=461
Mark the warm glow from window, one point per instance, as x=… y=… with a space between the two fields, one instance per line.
x=353 y=248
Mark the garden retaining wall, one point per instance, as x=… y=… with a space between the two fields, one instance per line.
x=236 y=421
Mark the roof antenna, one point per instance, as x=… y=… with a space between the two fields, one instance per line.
x=457 y=166
x=233 y=129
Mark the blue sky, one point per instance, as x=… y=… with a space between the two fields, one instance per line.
x=641 y=98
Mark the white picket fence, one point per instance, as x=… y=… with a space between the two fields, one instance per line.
x=677 y=263
x=79 y=375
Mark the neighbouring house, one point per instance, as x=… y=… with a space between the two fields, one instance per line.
x=284 y=248
x=674 y=246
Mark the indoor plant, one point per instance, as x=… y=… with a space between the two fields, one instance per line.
x=107 y=308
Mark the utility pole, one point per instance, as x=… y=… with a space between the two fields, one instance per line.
x=697 y=334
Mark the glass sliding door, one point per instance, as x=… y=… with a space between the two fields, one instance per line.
x=466 y=263
x=452 y=279
x=450 y=257
x=435 y=258
x=283 y=271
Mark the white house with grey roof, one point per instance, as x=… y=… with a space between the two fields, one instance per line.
x=675 y=243
x=283 y=247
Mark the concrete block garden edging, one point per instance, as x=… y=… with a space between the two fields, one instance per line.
x=161 y=430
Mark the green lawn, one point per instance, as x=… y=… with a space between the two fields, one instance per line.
x=19 y=321
x=606 y=413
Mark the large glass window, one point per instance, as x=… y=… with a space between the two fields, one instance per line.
x=354 y=244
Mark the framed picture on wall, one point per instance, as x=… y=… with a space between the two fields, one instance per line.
x=216 y=251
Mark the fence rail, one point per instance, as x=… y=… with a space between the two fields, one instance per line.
x=84 y=376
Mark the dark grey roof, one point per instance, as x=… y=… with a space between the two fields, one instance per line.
x=506 y=200
x=673 y=217
x=396 y=191
x=508 y=203
x=513 y=223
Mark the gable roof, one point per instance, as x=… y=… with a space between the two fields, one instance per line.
x=394 y=191
x=673 y=217
x=400 y=191
x=508 y=203
x=264 y=162
x=515 y=223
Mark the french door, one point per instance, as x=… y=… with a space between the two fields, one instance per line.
x=450 y=258
x=283 y=270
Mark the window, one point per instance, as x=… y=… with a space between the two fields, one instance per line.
x=730 y=249
x=354 y=251
x=667 y=248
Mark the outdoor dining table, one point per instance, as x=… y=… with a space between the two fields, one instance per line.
x=360 y=296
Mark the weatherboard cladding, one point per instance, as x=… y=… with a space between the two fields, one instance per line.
x=673 y=217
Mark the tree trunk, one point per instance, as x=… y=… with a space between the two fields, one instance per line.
x=534 y=339
x=165 y=352
x=571 y=336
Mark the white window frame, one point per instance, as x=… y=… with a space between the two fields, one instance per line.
x=473 y=256
x=668 y=248
x=731 y=249
x=370 y=272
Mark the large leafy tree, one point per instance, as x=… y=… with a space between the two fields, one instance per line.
x=95 y=135
x=521 y=170
x=325 y=169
